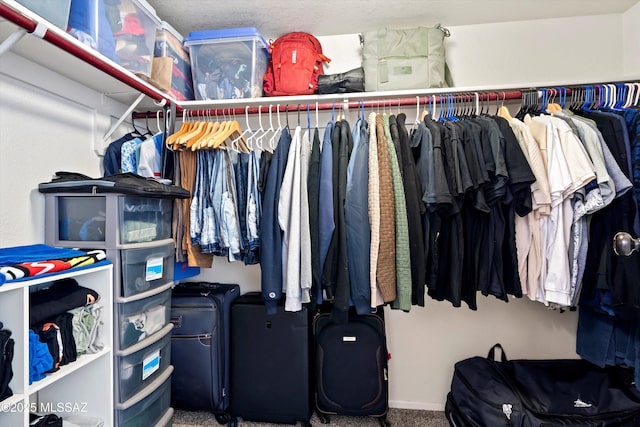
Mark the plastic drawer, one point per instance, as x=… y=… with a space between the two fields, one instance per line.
x=146 y=268
x=148 y=407
x=143 y=316
x=140 y=365
x=90 y=218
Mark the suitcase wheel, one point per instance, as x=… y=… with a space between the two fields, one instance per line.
x=384 y=422
x=233 y=422
x=324 y=418
x=224 y=419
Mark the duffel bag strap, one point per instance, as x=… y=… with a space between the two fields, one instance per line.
x=492 y=353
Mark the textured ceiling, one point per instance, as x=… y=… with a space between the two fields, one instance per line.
x=328 y=17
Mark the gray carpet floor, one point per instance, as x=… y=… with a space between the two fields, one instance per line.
x=396 y=417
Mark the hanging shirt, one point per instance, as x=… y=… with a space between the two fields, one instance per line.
x=270 y=234
x=386 y=269
x=356 y=219
x=150 y=161
x=128 y=157
x=415 y=209
x=528 y=229
x=556 y=277
x=403 y=260
x=326 y=220
x=306 y=278
x=373 y=203
x=289 y=220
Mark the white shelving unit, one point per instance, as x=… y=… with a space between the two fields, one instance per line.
x=70 y=389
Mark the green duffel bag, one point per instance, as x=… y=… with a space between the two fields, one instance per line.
x=396 y=59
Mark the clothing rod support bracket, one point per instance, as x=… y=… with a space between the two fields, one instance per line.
x=122 y=118
x=13 y=38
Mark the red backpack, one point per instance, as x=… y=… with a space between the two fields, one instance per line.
x=295 y=64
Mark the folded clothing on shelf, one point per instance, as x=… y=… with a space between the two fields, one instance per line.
x=22 y=262
x=63 y=295
x=6 y=358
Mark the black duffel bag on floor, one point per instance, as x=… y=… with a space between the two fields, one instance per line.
x=486 y=392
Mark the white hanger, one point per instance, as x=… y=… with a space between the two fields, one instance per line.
x=630 y=92
x=246 y=131
x=270 y=129
x=254 y=135
x=272 y=140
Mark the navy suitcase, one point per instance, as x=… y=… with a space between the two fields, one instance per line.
x=270 y=367
x=200 y=313
x=351 y=366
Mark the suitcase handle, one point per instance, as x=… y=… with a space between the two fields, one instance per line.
x=177 y=321
x=492 y=353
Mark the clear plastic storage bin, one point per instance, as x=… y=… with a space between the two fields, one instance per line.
x=143 y=316
x=137 y=367
x=123 y=31
x=227 y=63
x=54 y=11
x=133 y=219
x=146 y=268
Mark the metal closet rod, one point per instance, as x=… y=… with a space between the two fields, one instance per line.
x=262 y=105
x=423 y=100
x=81 y=53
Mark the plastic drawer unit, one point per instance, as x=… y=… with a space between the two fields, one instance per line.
x=142 y=316
x=106 y=220
x=141 y=364
x=145 y=268
x=227 y=63
x=150 y=406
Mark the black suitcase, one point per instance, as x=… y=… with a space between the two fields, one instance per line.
x=200 y=313
x=351 y=366
x=270 y=367
x=537 y=393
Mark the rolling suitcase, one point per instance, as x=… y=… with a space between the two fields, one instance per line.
x=200 y=313
x=351 y=366
x=270 y=367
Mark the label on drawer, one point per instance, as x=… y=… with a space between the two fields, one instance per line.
x=150 y=364
x=153 y=269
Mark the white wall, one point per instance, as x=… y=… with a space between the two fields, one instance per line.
x=631 y=41
x=52 y=129
x=48 y=123
x=580 y=49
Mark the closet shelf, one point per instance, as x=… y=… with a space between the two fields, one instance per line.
x=389 y=99
x=52 y=48
x=62 y=53
x=65 y=370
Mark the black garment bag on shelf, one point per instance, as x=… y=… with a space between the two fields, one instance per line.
x=540 y=393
